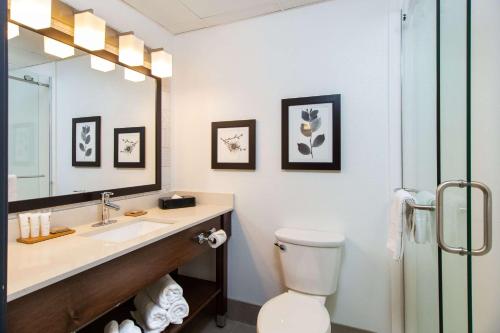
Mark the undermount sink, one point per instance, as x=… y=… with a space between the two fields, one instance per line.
x=126 y=231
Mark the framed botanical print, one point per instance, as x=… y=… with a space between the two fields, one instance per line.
x=86 y=142
x=310 y=133
x=233 y=144
x=130 y=147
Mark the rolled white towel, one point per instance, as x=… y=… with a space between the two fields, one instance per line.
x=178 y=311
x=165 y=291
x=128 y=326
x=112 y=327
x=137 y=316
x=153 y=316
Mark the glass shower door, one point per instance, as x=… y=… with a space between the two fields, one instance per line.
x=454 y=139
x=420 y=264
x=29 y=134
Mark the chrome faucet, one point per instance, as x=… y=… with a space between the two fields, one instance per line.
x=106 y=205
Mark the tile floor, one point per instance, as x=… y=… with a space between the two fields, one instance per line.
x=206 y=324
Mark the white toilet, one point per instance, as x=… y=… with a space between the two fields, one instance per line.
x=311 y=262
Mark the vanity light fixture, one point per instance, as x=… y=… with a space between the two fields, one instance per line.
x=90 y=31
x=161 y=63
x=56 y=48
x=36 y=14
x=101 y=64
x=12 y=30
x=133 y=76
x=131 y=49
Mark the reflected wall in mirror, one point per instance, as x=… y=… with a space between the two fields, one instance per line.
x=48 y=96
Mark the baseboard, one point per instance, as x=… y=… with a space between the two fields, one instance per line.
x=242 y=312
x=247 y=313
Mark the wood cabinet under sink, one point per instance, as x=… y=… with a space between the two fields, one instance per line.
x=86 y=301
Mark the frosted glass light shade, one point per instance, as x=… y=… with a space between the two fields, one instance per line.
x=56 y=48
x=36 y=14
x=161 y=64
x=90 y=31
x=101 y=64
x=131 y=50
x=12 y=30
x=134 y=76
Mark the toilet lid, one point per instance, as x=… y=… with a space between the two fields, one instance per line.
x=290 y=313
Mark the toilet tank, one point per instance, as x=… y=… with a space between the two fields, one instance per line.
x=310 y=259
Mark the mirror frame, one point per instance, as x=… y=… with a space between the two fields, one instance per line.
x=61 y=200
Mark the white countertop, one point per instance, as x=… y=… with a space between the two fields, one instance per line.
x=33 y=267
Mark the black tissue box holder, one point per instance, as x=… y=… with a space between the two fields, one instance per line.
x=169 y=203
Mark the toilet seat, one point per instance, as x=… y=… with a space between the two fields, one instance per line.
x=293 y=313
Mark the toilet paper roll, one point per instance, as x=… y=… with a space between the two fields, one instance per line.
x=217 y=238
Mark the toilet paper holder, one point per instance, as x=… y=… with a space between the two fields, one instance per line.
x=203 y=237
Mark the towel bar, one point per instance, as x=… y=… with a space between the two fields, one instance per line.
x=412 y=205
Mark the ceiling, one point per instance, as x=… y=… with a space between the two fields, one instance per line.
x=178 y=16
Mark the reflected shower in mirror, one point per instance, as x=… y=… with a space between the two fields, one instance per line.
x=63 y=114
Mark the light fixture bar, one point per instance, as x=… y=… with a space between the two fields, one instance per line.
x=101 y=64
x=133 y=76
x=56 y=48
x=161 y=63
x=36 y=14
x=90 y=31
x=131 y=51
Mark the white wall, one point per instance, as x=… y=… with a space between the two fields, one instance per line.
x=242 y=71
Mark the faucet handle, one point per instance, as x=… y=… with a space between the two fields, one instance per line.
x=106 y=195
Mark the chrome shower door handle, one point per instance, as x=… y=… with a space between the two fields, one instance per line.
x=487 y=218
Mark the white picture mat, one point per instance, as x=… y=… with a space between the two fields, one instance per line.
x=80 y=155
x=135 y=154
x=224 y=154
x=323 y=153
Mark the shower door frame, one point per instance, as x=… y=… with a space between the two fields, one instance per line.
x=468 y=140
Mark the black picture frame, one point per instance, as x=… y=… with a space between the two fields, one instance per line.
x=142 y=147
x=251 y=124
x=335 y=165
x=97 y=162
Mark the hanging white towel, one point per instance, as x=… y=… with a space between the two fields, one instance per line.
x=12 y=188
x=178 y=311
x=397 y=223
x=112 y=327
x=423 y=218
x=153 y=316
x=164 y=292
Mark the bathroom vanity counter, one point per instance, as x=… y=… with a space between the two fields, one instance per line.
x=69 y=282
x=32 y=267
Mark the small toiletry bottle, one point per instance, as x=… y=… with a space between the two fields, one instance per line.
x=45 y=224
x=24 y=225
x=35 y=225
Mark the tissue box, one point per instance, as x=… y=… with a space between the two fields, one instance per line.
x=169 y=203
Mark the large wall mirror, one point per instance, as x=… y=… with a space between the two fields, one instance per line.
x=78 y=126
